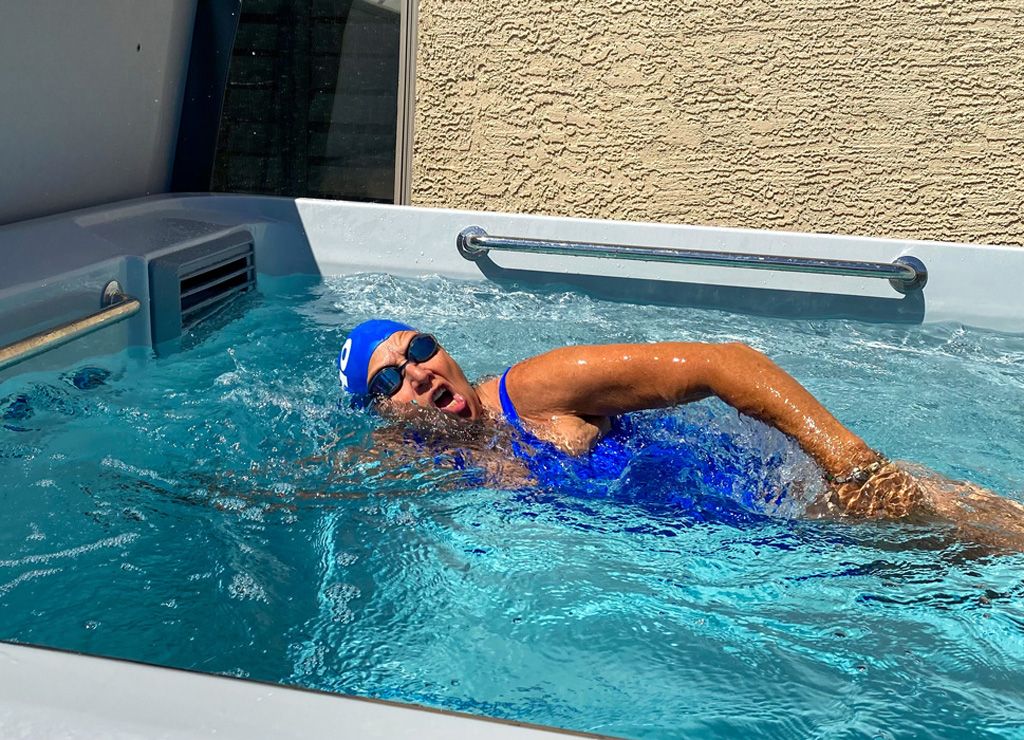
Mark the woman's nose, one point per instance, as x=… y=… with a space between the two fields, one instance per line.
x=417 y=375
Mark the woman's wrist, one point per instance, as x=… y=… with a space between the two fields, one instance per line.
x=860 y=468
x=880 y=489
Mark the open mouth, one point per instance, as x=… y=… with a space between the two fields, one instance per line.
x=449 y=402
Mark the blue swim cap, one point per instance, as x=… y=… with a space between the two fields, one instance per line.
x=354 y=358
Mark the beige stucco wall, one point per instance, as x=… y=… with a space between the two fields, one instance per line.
x=871 y=118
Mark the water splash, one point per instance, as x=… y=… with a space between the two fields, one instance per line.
x=238 y=486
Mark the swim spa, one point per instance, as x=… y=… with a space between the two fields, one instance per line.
x=206 y=506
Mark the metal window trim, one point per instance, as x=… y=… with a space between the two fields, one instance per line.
x=408 y=25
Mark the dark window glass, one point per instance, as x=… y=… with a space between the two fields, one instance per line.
x=312 y=100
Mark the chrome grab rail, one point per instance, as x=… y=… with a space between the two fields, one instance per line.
x=905 y=274
x=117 y=307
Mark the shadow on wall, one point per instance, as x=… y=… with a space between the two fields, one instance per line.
x=789 y=304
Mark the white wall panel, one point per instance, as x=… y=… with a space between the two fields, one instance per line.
x=90 y=96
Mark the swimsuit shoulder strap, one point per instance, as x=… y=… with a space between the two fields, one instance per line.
x=507 y=408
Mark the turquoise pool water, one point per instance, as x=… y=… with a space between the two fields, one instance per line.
x=179 y=511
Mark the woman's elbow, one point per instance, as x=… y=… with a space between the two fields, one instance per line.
x=737 y=359
x=739 y=351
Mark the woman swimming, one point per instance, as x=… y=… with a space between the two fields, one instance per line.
x=568 y=400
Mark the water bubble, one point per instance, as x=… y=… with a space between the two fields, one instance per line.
x=342 y=614
x=311 y=660
x=345 y=559
x=339 y=592
x=245 y=588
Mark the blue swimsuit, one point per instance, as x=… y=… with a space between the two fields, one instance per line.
x=657 y=459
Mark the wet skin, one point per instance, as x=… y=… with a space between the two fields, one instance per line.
x=566 y=397
x=438 y=383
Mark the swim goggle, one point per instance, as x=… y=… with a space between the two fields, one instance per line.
x=387 y=381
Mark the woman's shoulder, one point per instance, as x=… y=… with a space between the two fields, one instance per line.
x=488 y=392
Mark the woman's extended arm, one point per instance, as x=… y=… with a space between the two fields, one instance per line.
x=605 y=380
x=601 y=381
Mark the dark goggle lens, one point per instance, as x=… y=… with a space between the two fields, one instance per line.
x=386 y=382
x=421 y=348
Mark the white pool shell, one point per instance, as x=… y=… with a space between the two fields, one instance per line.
x=56 y=268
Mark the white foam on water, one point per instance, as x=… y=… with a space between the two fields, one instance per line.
x=117 y=541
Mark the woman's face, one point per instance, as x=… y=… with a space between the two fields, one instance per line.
x=438 y=383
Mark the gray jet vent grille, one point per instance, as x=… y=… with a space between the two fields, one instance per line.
x=190 y=285
x=204 y=288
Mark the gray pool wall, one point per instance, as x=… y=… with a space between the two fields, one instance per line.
x=56 y=267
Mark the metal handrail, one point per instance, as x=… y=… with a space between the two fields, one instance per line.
x=120 y=307
x=905 y=274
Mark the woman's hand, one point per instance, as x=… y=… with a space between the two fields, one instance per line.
x=977 y=514
x=890 y=492
x=902 y=491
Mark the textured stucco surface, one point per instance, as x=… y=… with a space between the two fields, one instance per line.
x=902 y=120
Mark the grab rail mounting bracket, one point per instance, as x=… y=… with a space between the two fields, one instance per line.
x=914 y=284
x=465 y=248
x=112 y=293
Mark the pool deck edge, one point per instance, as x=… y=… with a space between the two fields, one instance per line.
x=53 y=693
